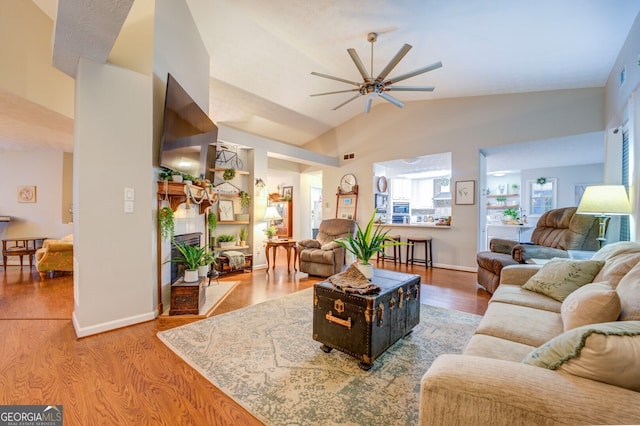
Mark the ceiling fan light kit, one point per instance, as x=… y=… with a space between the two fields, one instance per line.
x=377 y=87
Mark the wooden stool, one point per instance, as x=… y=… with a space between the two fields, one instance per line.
x=428 y=250
x=397 y=254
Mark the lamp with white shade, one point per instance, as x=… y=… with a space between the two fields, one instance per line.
x=271 y=215
x=603 y=201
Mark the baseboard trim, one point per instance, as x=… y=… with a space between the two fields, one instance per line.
x=455 y=267
x=109 y=325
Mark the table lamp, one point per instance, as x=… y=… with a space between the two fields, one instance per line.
x=603 y=201
x=271 y=214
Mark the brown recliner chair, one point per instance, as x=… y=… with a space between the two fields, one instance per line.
x=556 y=232
x=322 y=257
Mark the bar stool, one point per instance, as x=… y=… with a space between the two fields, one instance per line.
x=397 y=253
x=428 y=250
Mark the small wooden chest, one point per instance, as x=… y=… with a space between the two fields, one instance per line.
x=364 y=326
x=187 y=298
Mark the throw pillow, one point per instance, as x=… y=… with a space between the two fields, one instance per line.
x=629 y=292
x=590 y=304
x=607 y=352
x=559 y=277
x=330 y=246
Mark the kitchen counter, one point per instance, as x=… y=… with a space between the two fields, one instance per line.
x=415 y=225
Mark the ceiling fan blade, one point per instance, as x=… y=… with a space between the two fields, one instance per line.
x=413 y=73
x=347 y=101
x=356 y=60
x=393 y=62
x=333 y=93
x=330 y=77
x=368 y=102
x=391 y=99
x=410 y=88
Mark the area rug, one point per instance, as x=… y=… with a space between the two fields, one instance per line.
x=215 y=294
x=264 y=357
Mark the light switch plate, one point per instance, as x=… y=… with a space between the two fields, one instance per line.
x=128 y=206
x=129 y=194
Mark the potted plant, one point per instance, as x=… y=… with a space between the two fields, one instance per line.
x=270 y=231
x=365 y=244
x=190 y=257
x=514 y=188
x=245 y=199
x=165 y=219
x=207 y=259
x=510 y=213
x=165 y=174
x=501 y=199
x=243 y=236
x=225 y=240
x=176 y=176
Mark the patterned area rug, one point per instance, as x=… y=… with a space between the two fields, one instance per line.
x=264 y=357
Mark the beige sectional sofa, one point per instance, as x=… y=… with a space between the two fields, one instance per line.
x=537 y=360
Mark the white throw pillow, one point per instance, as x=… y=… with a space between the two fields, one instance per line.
x=590 y=304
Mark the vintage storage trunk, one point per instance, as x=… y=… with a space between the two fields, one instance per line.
x=364 y=326
x=187 y=298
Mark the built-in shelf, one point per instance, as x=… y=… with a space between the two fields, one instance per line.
x=506 y=206
x=221 y=170
x=502 y=195
x=232 y=222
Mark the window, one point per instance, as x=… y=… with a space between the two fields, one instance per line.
x=541 y=197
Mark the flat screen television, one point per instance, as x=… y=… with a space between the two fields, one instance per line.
x=187 y=133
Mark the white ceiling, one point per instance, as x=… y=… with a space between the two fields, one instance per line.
x=262 y=54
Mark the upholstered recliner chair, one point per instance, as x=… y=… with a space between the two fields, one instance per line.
x=322 y=257
x=556 y=232
x=55 y=256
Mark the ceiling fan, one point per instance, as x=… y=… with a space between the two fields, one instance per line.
x=378 y=86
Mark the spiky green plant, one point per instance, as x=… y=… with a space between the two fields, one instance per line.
x=368 y=242
x=190 y=256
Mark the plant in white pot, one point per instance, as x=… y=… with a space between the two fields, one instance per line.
x=190 y=257
x=207 y=259
x=365 y=244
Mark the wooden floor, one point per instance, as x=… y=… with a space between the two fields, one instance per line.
x=127 y=376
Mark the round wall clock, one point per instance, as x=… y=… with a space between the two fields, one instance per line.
x=382 y=184
x=347 y=182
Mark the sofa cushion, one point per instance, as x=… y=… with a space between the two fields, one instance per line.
x=619 y=258
x=590 y=304
x=607 y=352
x=559 y=277
x=629 y=292
x=516 y=295
x=520 y=324
x=497 y=348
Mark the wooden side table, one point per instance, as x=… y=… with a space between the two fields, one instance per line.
x=287 y=245
x=20 y=247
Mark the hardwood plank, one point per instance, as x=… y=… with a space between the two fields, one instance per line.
x=128 y=376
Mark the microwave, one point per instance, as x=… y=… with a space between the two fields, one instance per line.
x=400 y=208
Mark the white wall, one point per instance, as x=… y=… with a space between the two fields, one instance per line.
x=114 y=263
x=43 y=218
x=461 y=126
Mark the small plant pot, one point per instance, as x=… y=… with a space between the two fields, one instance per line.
x=176 y=178
x=190 y=276
x=227 y=244
x=203 y=270
x=366 y=269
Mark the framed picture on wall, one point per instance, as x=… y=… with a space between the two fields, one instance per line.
x=287 y=192
x=225 y=210
x=466 y=192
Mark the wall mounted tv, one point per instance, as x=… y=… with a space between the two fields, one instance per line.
x=187 y=133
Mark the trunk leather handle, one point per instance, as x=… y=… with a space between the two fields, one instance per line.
x=339 y=321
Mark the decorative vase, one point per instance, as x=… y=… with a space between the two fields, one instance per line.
x=203 y=270
x=366 y=269
x=190 y=276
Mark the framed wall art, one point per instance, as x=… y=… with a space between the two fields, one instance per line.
x=27 y=194
x=225 y=209
x=466 y=192
x=287 y=192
